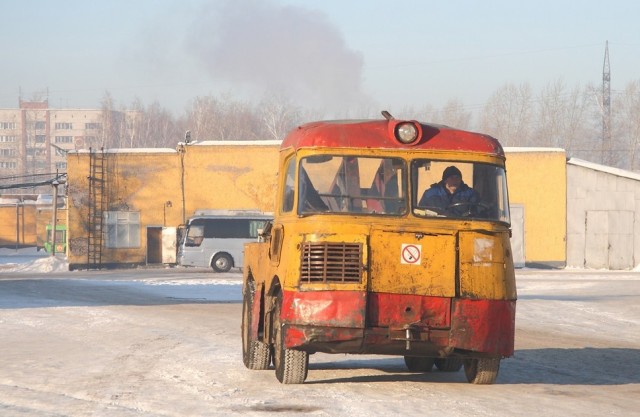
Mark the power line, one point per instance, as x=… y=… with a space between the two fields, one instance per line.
x=29 y=181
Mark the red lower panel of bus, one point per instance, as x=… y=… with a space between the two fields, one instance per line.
x=348 y=320
x=483 y=325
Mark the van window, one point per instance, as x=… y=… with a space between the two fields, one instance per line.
x=200 y=229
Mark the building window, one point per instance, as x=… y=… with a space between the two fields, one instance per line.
x=61 y=165
x=8 y=165
x=40 y=125
x=93 y=125
x=41 y=138
x=122 y=229
x=64 y=125
x=7 y=125
x=7 y=152
x=6 y=138
x=35 y=152
x=64 y=139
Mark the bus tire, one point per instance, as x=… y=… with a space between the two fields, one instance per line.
x=222 y=262
x=291 y=365
x=418 y=363
x=255 y=354
x=448 y=364
x=483 y=371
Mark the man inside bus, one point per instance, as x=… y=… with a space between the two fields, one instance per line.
x=451 y=196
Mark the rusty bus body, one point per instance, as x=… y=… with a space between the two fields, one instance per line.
x=357 y=261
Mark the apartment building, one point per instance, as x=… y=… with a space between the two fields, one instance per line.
x=34 y=138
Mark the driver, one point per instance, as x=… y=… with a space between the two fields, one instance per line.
x=451 y=196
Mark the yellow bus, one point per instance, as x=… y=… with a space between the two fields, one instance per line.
x=389 y=237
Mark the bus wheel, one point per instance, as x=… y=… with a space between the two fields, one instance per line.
x=482 y=371
x=222 y=262
x=449 y=364
x=255 y=354
x=291 y=365
x=418 y=364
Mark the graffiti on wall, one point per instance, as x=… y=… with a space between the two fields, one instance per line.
x=79 y=246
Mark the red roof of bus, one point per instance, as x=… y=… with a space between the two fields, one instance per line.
x=377 y=134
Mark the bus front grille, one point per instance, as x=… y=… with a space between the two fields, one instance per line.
x=331 y=262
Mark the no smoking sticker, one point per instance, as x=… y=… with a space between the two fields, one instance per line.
x=410 y=254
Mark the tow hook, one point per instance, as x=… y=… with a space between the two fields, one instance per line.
x=408 y=334
x=408 y=328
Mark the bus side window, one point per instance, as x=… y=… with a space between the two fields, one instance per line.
x=287 y=201
x=255 y=227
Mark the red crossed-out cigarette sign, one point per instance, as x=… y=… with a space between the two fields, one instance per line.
x=410 y=254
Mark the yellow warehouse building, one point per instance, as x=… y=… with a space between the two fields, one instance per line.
x=146 y=190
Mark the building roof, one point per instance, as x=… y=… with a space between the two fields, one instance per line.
x=127 y=150
x=522 y=149
x=235 y=143
x=604 y=168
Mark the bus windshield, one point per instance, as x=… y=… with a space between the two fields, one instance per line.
x=352 y=184
x=457 y=189
x=379 y=186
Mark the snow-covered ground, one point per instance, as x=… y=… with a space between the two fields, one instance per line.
x=30 y=260
x=166 y=342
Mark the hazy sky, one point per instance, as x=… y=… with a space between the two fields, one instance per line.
x=321 y=52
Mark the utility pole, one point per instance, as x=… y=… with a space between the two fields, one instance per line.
x=606 y=106
x=54 y=215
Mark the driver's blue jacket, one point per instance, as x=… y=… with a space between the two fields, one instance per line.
x=439 y=199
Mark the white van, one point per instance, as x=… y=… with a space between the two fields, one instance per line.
x=216 y=238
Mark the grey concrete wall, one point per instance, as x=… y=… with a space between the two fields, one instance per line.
x=603 y=218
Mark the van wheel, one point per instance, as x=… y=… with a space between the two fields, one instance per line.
x=222 y=262
x=418 y=364
x=291 y=365
x=449 y=364
x=255 y=354
x=483 y=371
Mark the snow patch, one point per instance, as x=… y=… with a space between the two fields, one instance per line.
x=47 y=264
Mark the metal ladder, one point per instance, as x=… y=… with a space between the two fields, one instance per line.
x=97 y=205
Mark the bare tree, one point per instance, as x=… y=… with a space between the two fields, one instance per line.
x=558 y=116
x=202 y=116
x=577 y=128
x=134 y=117
x=278 y=116
x=561 y=117
x=158 y=128
x=627 y=123
x=454 y=114
x=550 y=115
x=508 y=115
x=239 y=121
x=113 y=124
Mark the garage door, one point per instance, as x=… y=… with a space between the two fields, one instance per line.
x=609 y=239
